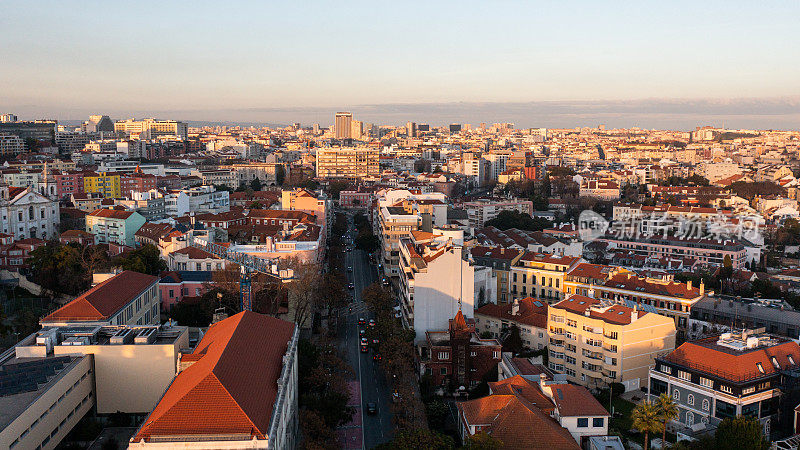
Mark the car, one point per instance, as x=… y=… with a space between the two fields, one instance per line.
x=361 y=332
x=361 y=321
x=363 y=341
x=372 y=408
x=364 y=349
x=371 y=322
x=349 y=268
x=375 y=341
x=351 y=286
x=376 y=357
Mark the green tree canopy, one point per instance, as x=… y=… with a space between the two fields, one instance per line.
x=514 y=219
x=740 y=433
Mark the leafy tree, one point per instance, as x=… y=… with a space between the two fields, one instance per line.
x=514 y=219
x=483 y=441
x=667 y=410
x=367 y=242
x=256 y=205
x=145 y=259
x=256 y=184
x=59 y=268
x=740 y=433
x=750 y=190
x=559 y=171
x=437 y=412
x=335 y=187
x=513 y=343
x=646 y=419
x=280 y=175
x=419 y=439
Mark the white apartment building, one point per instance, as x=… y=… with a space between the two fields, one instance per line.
x=152 y=128
x=481 y=211
x=198 y=199
x=11 y=145
x=436 y=281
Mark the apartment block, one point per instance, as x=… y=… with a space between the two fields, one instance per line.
x=540 y=275
x=347 y=162
x=481 y=211
x=597 y=342
x=114 y=226
x=734 y=374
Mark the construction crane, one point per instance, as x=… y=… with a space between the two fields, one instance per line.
x=249 y=265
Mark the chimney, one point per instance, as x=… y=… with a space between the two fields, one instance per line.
x=702 y=287
x=634 y=314
x=689 y=285
x=515 y=307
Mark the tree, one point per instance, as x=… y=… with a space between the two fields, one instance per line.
x=667 y=410
x=483 y=441
x=514 y=219
x=256 y=184
x=437 y=412
x=646 y=419
x=145 y=259
x=419 y=439
x=280 y=175
x=740 y=433
x=59 y=268
x=367 y=242
x=513 y=343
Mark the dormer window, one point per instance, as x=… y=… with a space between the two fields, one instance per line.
x=760 y=367
x=775 y=363
x=791 y=360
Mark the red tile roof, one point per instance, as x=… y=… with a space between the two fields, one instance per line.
x=529 y=312
x=111 y=213
x=196 y=253
x=573 y=400
x=104 y=300
x=705 y=355
x=231 y=387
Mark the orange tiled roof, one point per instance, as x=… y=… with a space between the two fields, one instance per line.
x=231 y=387
x=111 y=213
x=104 y=300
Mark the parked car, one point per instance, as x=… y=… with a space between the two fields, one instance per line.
x=372 y=408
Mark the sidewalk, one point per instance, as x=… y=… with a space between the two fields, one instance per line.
x=350 y=435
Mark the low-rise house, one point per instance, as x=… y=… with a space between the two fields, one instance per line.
x=175 y=286
x=194 y=259
x=114 y=226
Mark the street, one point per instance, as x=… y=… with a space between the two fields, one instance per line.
x=376 y=428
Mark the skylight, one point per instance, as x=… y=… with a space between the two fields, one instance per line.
x=791 y=360
x=775 y=363
x=760 y=368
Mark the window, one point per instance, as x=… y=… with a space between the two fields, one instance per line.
x=706 y=382
x=676 y=394
x=583 y=422
x=598 y=422
x=748 y=390
x=726 y=389
x=706 y=405
x=443 y=371
x=444 y=355
x=760 y=367
x=690 y=400
x=666 y=369
x=725 y=410
x=683 y=375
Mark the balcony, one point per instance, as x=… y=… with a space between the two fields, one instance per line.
x=556 y=343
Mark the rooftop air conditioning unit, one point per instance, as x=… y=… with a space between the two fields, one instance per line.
x=122 y=337
x=145 y=336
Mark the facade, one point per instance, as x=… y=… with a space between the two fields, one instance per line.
x=436 y=281
x=347 y=162
x=174 y=287
x=725 y=376
x=458 y=357
x=255 y=399
x=28 y=214
x=540 y=275
x=113 y=225
x=596 y=342
x=500 y=260
x=481 y=211
x=605 y=190
x=104 y=183
x=704 y=251
x=150 y=204
x=667 y=297
x=527 y=314
x=152 y=129
x=198 y=199
x=343 y=125
x=11 y=145
x=194 y=259
x=128 y=298
x=69 y=370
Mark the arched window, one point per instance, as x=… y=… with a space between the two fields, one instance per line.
x=690 y=400
x=706 y=405
x=30 y=213
x=676 y=395
x=689 y=418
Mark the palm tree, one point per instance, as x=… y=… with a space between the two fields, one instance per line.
x=646 y=419
x=667 y=410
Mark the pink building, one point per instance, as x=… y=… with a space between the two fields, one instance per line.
x=175 y=287
x=69 y=183
x=353 y=199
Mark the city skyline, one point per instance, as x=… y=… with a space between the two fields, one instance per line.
x=433 y=63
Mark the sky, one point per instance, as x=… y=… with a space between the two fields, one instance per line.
x=677 y=64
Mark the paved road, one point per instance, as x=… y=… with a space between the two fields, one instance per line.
x=377 y=428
